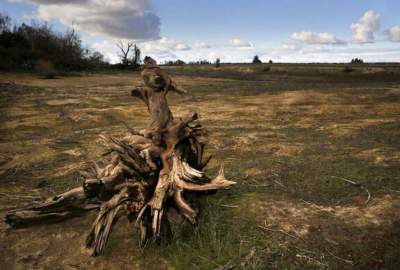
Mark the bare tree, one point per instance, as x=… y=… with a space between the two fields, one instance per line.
x=124 y=48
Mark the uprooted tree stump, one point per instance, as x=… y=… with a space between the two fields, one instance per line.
x=148 y=174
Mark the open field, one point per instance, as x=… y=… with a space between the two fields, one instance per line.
x=288 y=134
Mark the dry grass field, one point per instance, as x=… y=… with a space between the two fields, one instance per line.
x=288 y=134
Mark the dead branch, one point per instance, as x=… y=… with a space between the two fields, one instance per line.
x=356 y=185
x=280 y=231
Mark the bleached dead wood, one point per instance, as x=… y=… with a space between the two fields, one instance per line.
x=356 y=185
x=147 y=174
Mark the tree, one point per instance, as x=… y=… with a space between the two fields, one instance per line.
x=124 y=47
x=72 y=53
x=130 y=54
x=200 y=62
x=29 y=46
x=256 y=60
x=136 y=60
x=357 y=61
x=270 y=62
x=5 y=23
x=217 y=63
x=97 y=57
x=96 y=60
x=175 y=63
x=179 y=62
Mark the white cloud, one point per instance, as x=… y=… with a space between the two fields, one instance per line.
x=165 y=43
x=236 y=42
x=202 y=45
x=364 y=29
x=316 y=38
x=163 y=49
x=290 y=47
x=182 y=47
x=393 y=33
x=226 y=55
x=127 y=19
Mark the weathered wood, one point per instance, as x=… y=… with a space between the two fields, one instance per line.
x=146 y=175
x=69 y=204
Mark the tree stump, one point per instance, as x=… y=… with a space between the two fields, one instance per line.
x=147 y=177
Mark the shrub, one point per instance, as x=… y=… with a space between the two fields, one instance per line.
x=256 y=60
x=267 y=69
x=217 y=63
x=46 y=69
x=348 y=69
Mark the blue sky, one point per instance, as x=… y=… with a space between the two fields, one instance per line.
x=265 y=21
x=235 y=30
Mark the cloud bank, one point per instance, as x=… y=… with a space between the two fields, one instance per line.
x=134 y=20
x=317 y=38
x=125 y=19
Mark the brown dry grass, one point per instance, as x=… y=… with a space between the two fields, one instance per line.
x=282 y=135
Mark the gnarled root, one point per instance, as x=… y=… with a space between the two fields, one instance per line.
x=131 y=198
x=180 y=177
x=149 y=182
x=147 y=174
x=68 y=204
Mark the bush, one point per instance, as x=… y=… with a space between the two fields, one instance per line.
x=26 y=46
x=46 y=69
x=348 y=69
x=256 y=60
x=217 y=63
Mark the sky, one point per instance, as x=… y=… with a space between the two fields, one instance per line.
x=232 y=30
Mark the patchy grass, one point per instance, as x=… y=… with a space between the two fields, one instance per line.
x=285 y=136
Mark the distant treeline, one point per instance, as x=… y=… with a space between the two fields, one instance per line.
x=180 y=62
x=38 y=47
x=217 y=62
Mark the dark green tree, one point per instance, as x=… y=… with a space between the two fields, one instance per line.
x=357 y=61
x=5 y=23
x=217 y=63
x=256 y=60
x=136 y=58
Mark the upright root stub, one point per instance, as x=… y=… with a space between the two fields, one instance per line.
x=146 y=175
